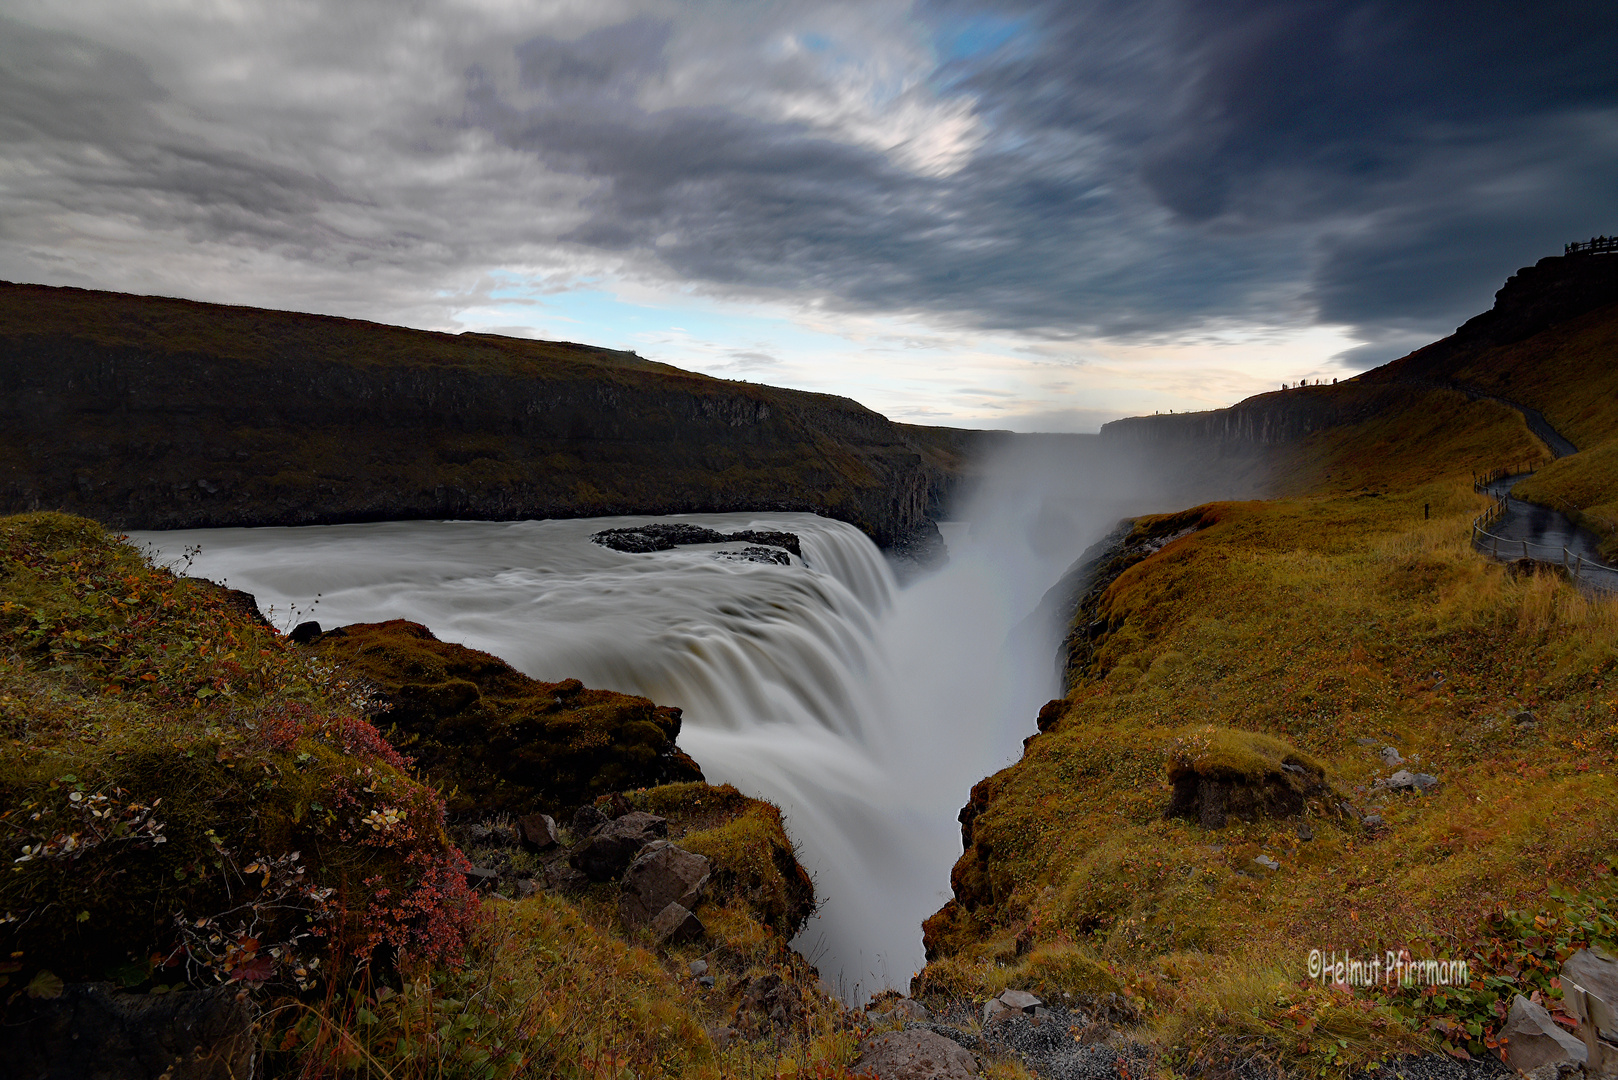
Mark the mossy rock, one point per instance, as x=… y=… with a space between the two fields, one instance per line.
x=496 y=739
x=1218 y=773
x=754 y=861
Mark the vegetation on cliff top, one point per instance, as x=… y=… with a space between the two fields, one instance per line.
x=145 y=412
x=496 y=739
x=1333 y=622
x=191 y=800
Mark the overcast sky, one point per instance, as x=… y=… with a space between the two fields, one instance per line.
x=1015 y=214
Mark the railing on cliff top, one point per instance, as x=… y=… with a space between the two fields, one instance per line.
x=1591 y=574
x=1594 y=244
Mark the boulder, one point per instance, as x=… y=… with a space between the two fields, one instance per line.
x=1597 y=974
x=994 y=1009
x=1534 y=1039
x=675 y=924
x=304 y=633
x=538 y=832
x=917 y=1054
x=661 y=874
x=1390 y=756
x=94 y=1030
x=609 y=850
x=587 y=819
x=769 y=1004
x=1404 y=780
x=909 y=1009
x=1020 y=1000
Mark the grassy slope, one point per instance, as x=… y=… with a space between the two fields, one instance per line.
x=1319 y=618
x=1569 y=373
x=198 y=723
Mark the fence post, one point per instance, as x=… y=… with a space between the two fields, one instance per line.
x=1525 y=549
x=1495 y=547
x=1577 y=568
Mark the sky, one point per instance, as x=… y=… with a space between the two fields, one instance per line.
x=1025 y=214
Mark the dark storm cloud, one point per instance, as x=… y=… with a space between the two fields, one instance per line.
x=1148 y=164
x=1134 y=167
x=86 y=115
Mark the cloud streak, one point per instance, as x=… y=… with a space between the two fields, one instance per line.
x=1065 y=171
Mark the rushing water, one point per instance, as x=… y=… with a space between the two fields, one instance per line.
x=864 y=710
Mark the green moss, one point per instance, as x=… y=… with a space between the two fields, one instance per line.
x=169 y=756
x=498 y=740
x=1250 y=757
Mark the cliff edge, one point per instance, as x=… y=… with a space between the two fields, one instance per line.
x=154 y=413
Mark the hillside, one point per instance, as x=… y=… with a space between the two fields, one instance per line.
x=152 y=413
x=220 y=867
x=1321 y=721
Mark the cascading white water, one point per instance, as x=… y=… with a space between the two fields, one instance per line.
x=865 y=711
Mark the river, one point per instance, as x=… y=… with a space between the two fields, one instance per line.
x=865 y=710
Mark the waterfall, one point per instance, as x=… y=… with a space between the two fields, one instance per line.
x=865 y=711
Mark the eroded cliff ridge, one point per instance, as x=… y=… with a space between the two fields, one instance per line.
x=145 y=412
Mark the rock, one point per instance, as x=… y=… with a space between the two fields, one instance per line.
x=538 y=832
x=910 y=1009
x=1267 y=863
x=675 y=924
x=1372 y=822
x=1526 y=719
x=527 y=887
x=304 y=633
x=769 y=1004
x=1098 y=1032
x=1597 y=974
x=477 y=876
x=661 y=874
x=1390 y=756
x=564 y=878
x=755 y=554
x=706 y=982
x=917 y=1054
x=1305 y=833
x=722 y=1036
x=994 y=1009
x=94 y=1030
x=586 y=819
x=698 y=968
x=614 y=844
x=1020 y=1000
x=1404 y=780
x=1365 y=742
x=1534 y=1039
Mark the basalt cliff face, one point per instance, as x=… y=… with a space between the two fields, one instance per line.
x=146 y=412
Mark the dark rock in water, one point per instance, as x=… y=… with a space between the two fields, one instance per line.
x=304 y=633
x=664 y=536
x=93 y=1030
x=661 y=875
x=757 y=555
